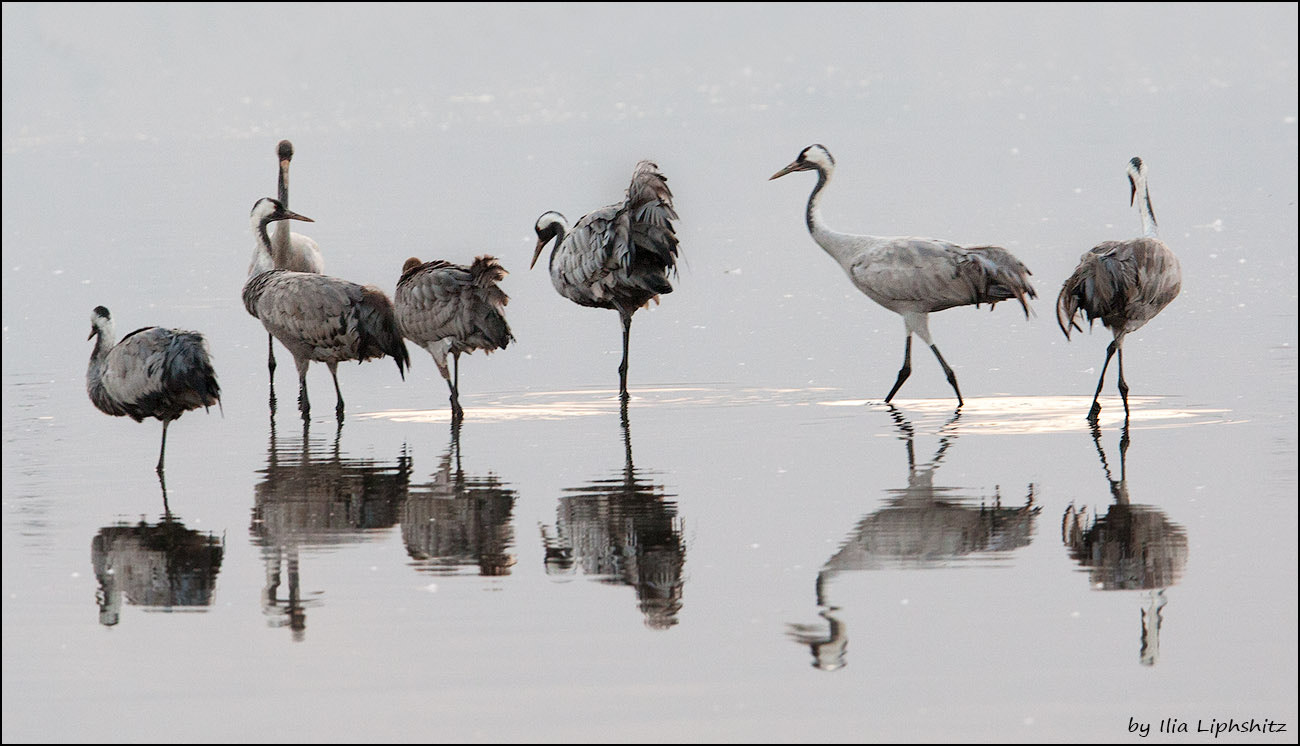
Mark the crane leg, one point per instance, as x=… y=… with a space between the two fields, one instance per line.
x=162 y=451
x=952 y=377
x=622 y=368
x=304 y=404
x=454 y=382
x=270 y=356
x=904 y=371
x=334 y=373
x=1123 y=386
x=1096 y=408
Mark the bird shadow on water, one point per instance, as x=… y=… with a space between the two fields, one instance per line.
x=161 y=566
x=1129 y=547
x=921 y=526
x=622 y=530
x=459 y=521
x=311 y=496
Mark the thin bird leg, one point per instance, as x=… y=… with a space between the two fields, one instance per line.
x=167 y=511
x=270 y=355
x=456 y=411
x=162 y=451
x=334 y=373
x=1096 y=408
x=622 y=368
x=1123 y=387
x=903 y=372
x=952 y=377
x=304 y=404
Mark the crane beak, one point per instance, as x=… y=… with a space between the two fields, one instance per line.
x=795 y=166
x=286 y=215
x=1132 y=190
x=541 y=244
x=92 y=334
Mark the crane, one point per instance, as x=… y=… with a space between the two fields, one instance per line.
x=318 y=317
x=616 y=257
x=289 y=250
x=911 y=276
x=152 y=372
x=445 y=307
x=1123 y=283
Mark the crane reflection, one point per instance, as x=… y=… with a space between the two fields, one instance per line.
x=623 y=530
x=921 y=525
x=1130 y=547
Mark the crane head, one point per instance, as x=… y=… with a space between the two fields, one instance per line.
x=100 y=321
x=551 y=225
x=1136 y=170
x=812 y=157
x=268 y=210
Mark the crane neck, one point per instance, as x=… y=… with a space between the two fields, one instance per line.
x=277 y=251
x=105 y=339
x=561 y=230
x=1149 y=227
x=830 y=241
x=281 y=232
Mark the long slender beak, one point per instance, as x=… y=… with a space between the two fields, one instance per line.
x=541 y=244
x=286 y=215
x=92 y=334
x=787 y=170
x=1132 y=190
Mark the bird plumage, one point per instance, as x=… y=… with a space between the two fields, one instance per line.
x=1123 y=283
x=318 y=317
x=152 y=372
x=914 y=276
x=445 y=307
x=619 y=256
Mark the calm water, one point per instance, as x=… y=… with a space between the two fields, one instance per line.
x=760 y=549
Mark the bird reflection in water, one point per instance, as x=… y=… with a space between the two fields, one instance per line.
x=162 y=566
x=1131 y=547
x=921 y=526
x=312 y=496
x=622 y=531
x=459 y=521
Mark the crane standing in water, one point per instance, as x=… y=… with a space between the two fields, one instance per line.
x=445 y=307
x=616 y=257
x=1124 y=283
x=318 y=317
x=292 y=251
x=152 y=372
x=913 y=276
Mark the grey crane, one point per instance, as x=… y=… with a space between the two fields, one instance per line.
x=318 y=317
x=913 y=276
x=292 y=251
x=1124 y=283
x=616 y=257
x=445 y=307
x=152 y=372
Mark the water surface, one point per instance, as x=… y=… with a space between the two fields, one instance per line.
x=758 y=548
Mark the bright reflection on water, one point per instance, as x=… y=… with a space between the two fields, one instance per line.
x=558 y=569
